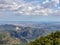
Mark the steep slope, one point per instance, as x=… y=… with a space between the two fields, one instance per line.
x=52 y=39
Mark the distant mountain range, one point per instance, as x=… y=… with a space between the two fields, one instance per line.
x=31 y=31
x=25 y=22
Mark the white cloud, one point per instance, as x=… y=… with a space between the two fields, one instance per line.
x=56 y=12
x=30 y=8
x=51 y=4
x=56 y=1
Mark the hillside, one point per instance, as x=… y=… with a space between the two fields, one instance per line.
x=52 y=39
x=25 y=34
x=6 y=39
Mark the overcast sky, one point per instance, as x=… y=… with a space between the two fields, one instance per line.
x=29 y=10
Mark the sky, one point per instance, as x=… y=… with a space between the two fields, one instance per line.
x=30 y=10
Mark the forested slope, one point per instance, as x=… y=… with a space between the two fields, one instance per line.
x=52 y=39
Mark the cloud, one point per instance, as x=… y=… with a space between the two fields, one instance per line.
x=30 y=8
x=51 y=4
x=56 y=12
x=56 y=1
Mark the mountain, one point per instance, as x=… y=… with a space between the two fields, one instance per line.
x=29 y=32
x=51 y=39
x=25 y=34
